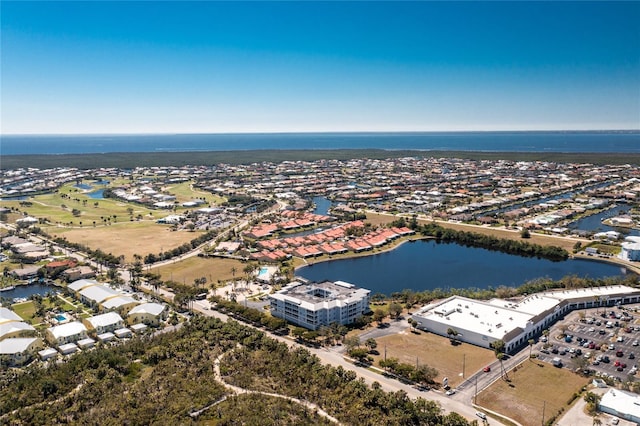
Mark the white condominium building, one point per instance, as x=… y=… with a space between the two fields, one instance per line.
x=312 y=305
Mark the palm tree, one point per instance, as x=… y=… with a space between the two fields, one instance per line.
x=498 y=349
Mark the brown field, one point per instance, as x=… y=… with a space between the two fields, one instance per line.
x=435 y=351
x=127 y=238
x=214 y=269
x=534 y=386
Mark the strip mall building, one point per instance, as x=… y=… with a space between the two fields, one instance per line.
x=483 y=322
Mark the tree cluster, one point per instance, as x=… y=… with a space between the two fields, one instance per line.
x=474 y=239
x=252 y=316
x=272 y=367
x=167 y=378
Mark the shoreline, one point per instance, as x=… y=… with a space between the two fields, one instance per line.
x=366 y=253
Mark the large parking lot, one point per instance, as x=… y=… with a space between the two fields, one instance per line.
x=606 y=340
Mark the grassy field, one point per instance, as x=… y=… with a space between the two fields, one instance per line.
x=184 y=191
x=27 y=311
x=435 y=351
x=534 y=386
x=214 y=269
x=127 y=238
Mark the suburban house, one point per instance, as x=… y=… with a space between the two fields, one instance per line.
x=66 y=333
x=16 y=329
x=103 y=323
x=79 y=272
x=18 y=351
x=148 y=313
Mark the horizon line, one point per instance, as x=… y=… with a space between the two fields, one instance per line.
x=331 y=132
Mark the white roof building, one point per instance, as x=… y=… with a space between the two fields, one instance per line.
x=86 y=343
x=48 y=353
x=148 y=308
x=15 y=328
x=312 y=305
x=97 y=294
x=18 y=351
x=625 y=405
x=7 y=315
x=106 y=337
x=118 y=302
x=68 y=348
x=66 y=333
x=82 y=284
x=104 y=322
x=483 y=322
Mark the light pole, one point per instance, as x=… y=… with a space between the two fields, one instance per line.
x=464 y=356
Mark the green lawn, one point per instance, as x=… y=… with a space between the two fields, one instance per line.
x=27 y=311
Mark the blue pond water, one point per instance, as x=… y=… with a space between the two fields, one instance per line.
x=425 y=265
x=97 y=195
x=26 y=291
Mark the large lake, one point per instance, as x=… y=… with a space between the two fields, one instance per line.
x=424 y=265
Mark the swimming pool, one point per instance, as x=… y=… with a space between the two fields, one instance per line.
x=60 y=318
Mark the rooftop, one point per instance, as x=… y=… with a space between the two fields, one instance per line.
x=323 y=294
x=622 y=402
x=7 y=315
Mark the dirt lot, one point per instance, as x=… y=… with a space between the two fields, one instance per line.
x=533 y=387
x=437 y=352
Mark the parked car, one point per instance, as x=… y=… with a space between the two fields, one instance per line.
x=450 y=392
x=482 y=415
x=486 y=369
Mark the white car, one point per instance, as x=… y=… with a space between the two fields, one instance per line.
x=620 y=339
x=450 y=392
x=482 y=415
x=635 y=343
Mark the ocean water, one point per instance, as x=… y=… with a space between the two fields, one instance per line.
x=601 y=141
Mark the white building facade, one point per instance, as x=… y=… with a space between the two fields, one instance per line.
x=312 y=305
x=483 y=322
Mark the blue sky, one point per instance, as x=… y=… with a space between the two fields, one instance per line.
x=215 y=67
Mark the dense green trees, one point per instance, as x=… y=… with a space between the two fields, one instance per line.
x=473 y=239
x=167 y=378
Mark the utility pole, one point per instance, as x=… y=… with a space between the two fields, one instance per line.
x=385 y=353
x=544 y=404
x=475 y=396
